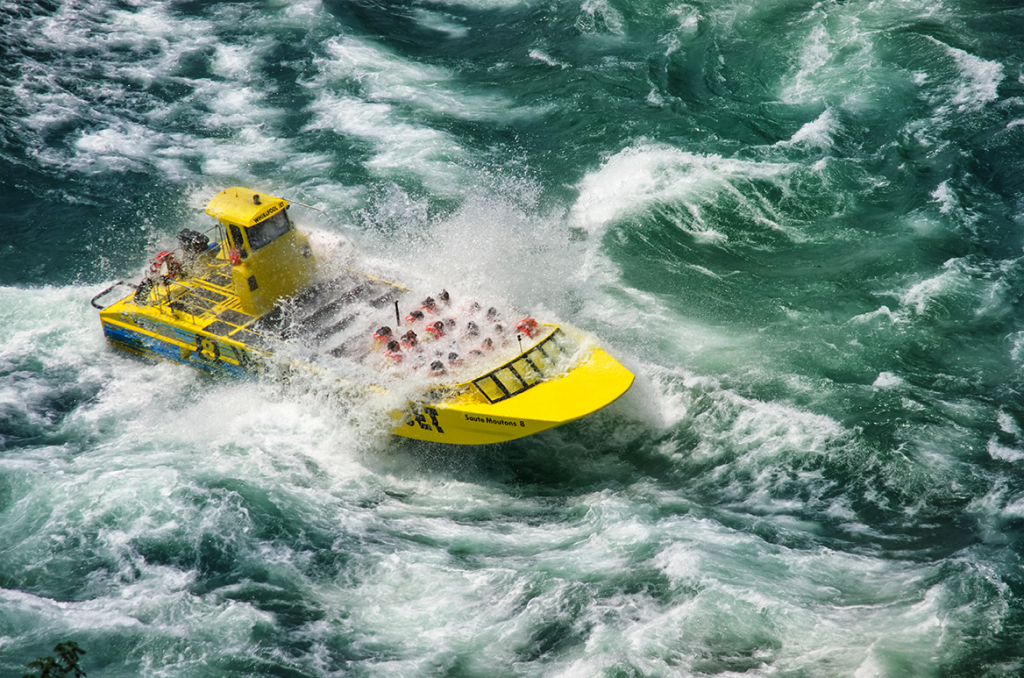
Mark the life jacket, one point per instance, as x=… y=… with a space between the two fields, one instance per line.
x=435 y=330
x=410 y=340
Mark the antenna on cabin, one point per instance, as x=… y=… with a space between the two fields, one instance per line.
x=315 y=209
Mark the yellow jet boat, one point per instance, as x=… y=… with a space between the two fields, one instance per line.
x=250 y=291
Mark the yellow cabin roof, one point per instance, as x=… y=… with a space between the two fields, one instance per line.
x=244 y=206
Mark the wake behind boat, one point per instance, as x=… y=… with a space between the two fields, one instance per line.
x=250 y=290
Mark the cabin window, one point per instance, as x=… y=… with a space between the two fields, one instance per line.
x=236 y=240
x=268 y=230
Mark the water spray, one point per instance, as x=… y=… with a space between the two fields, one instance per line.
x=316 y=209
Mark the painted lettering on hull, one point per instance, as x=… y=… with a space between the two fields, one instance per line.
x=492 y=421
x=207 y=350
x=419 y=418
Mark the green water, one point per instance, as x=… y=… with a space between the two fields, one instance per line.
x=798 y=223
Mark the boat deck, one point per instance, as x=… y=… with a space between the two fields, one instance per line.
x=337 y=319
x=321 y=318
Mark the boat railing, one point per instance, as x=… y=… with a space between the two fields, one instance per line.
x=527 y=369
x=105 y=293
x=184 y=281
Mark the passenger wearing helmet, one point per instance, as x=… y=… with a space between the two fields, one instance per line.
x=435 y=331
x=393 y=354
x=528 y=326
x=381 y=338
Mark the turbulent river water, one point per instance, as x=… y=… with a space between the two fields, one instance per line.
x=799 y=223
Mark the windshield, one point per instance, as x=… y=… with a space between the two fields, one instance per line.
x=268 y=230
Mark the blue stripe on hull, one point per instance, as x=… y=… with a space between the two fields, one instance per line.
x=152 y=347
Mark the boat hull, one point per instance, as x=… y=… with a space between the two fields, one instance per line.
x=593 y=383
x=166 y=338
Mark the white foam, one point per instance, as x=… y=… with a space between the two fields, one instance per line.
x=816 y=134
x=1017 y=352
x=974 y=84
x=544 y=58
x=932 y=290
x=817 y=625
x=880 y=312
x=432 y=155
x=235 y=61
x=688 y=16
x=241 y=121
x=44 y=615
x=600 y=17
x=1008 y=425
x=137 y=48
x=946 y=198
x=813 y=59
x=305 y=12
x=1014 y=509
x=979 y=81
x=837 y=62
x=127 y=146
x=385 y=77
x=997 y=451
x=647 y=175
x=442 y=23
x=886 y=381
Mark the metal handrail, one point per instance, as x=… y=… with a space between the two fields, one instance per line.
x=104 y=292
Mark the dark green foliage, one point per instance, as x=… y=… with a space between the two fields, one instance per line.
x=67 y=663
